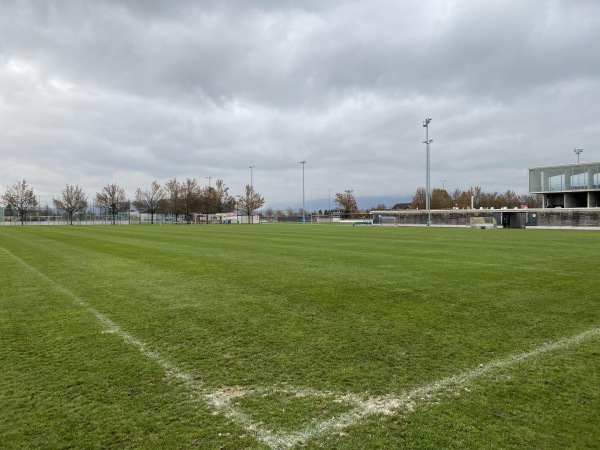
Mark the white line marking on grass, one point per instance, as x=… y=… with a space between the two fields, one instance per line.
x=221 y=400
x=387 y=404
x=390 y=404
x=109 y=326
x=285 y=440
x=384 y=405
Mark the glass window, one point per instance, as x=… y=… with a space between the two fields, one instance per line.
x=535 y=180
x=556 y=182
x=578 y=180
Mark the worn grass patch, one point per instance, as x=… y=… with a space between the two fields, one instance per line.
x=288 y=411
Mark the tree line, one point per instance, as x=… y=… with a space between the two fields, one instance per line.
x=442 y=199
x=180 y=199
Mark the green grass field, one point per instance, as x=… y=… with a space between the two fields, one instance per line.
x=298 y=336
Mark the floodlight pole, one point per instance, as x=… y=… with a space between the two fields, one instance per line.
x=209 y=196
x=329 y=203
x=303 y=207
x=251 y=180
x=427 y=141
x=578 y=152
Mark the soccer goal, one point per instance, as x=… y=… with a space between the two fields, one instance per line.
x=482 y=222
x=390 y=221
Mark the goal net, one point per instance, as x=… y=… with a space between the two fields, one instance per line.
x=482 y=222
x=388 y=221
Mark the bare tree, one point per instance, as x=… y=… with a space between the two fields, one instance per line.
x=476 y=194
x=346 y=201
x=379 y=207
x=250 y=202
x=489 y=200
x=511 y=199
x=465 y=200
x=20 y=197
x=223 y=201
x=532 y=201
x=207 y=200
x=173 y=200
x=112 y=200
x=150 y=200
x=457 y=197
x=190 y=198
x=481 y=199
x=216 y=199
x=73 y=200
x=419 y=200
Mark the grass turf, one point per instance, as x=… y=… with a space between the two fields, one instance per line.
x=368 y=311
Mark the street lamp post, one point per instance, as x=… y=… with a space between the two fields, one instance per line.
x=427 y=141
x=443 y=184
x=303 y=203
x=578 y=152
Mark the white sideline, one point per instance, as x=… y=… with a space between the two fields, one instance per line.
x=221 y=400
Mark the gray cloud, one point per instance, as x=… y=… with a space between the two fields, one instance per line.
x=99 y=91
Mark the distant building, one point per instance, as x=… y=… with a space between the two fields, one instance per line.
x=337 y=214
x=402 y=206
x=567 y=185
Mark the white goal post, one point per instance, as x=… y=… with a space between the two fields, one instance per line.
x=390 y=221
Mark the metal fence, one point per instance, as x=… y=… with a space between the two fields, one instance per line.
x=89 y=219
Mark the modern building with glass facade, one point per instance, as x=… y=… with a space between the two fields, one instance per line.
x=567 y=185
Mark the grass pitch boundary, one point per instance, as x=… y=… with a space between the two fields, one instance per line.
x=221 y=401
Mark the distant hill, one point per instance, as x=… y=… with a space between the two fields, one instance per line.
x=323 y=204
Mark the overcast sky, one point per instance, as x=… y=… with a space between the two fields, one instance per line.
x=93 y=92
